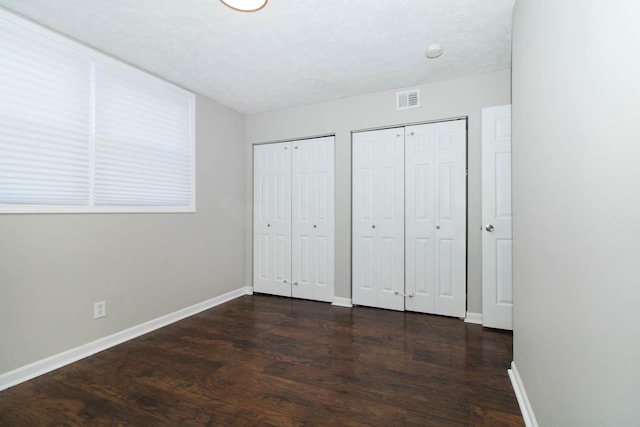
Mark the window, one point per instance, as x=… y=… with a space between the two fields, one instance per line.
x=82 y=132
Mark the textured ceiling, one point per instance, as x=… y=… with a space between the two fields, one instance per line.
x=293 y=52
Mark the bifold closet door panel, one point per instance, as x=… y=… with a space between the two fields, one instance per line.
x=378 y=218
x=272 y=219
x=419 y=218
x=443 y=222
x=313 y=225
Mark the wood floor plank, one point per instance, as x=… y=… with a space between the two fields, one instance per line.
x=262 y=360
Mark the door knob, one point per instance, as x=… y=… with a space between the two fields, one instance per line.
x=314 y=226
x=268 y=225
x=489 y=228
x=373 y=226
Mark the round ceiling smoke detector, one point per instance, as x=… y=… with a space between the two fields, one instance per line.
x=434 y=51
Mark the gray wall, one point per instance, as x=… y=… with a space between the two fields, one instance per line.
x=576 y=209
x=441 y=100
x=54 y=266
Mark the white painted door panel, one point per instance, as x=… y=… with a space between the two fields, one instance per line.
x=497 y=301
x=419 y=219
x=450 y=217
x=378 y=218
x=272 y=219
x=436 y=218
x=313 y=219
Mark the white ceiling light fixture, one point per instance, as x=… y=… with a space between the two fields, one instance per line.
x=245 y=5
x=434 y=51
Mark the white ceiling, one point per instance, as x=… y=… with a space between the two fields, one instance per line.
x=292 y=52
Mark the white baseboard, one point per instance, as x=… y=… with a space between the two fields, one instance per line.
x=27 y=372
x=342 y=302
x=473 y=318
x=521 y=395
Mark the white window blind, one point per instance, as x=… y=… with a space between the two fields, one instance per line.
x=82 y=132
x=44 y=121
x=143 y=142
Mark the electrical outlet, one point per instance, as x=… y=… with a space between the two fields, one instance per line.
x=99 y=309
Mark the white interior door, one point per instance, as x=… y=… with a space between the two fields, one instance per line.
x=378 y=218
x=497 y=301
x=272 y=219
x=313 y=219
x=436 y=218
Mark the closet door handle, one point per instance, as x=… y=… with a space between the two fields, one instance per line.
x=411 y=295
x=268 y=225
x=373 y=226
x=314 y=226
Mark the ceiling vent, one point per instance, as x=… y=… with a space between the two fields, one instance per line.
x=408 y=99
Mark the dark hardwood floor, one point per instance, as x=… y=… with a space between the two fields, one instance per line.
x=263 y=360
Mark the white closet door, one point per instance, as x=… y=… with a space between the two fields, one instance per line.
x=450 y=209
x=272 y=219
x=313 y=219
x=436 y=218
x=378 y=218
x=419 y=218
